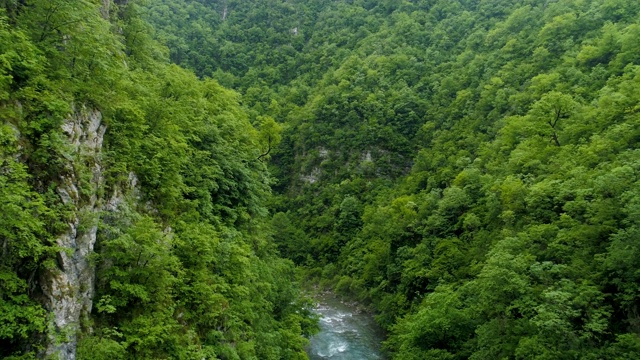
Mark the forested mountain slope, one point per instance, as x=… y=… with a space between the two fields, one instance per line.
x=468 y=167
x=133 y=221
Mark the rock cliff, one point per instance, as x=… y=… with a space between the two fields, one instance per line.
x=68 y=289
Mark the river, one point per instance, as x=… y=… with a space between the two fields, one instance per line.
x=346 y=332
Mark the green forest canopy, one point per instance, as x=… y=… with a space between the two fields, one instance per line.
x=469 y=168
x=185 y=267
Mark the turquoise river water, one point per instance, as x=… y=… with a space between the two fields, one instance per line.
x=346 y=332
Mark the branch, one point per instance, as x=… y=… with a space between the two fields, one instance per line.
x=558 y=116
x=554 y=137
x=268 y=148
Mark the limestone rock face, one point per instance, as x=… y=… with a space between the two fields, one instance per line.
x=69 y=288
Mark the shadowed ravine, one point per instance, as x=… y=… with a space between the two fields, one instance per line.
x=346 y=332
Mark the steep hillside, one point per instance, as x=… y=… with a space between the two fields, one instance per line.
x=133 y=221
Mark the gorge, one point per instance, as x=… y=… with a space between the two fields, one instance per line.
x=172 y=172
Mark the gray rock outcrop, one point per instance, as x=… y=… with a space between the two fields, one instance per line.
x=68 y=288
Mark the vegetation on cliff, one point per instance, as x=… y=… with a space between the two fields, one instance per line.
x=184 y=261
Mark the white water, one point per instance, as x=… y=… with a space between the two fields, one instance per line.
x=345 y=332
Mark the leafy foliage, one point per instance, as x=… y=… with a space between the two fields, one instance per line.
x=185 y=266
x=469 y=168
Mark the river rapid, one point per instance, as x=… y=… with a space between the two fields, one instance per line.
x=346 y=332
